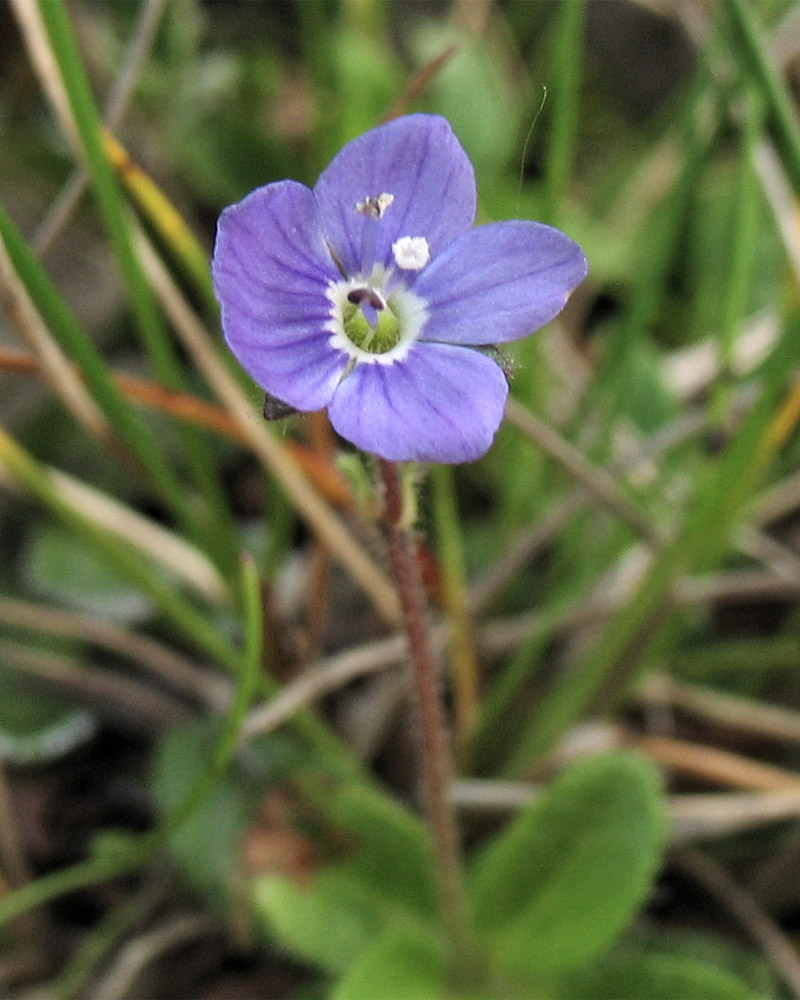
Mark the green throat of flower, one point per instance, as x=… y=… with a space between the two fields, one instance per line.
x=376 y=339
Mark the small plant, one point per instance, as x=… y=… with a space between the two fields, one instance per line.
x=344 y=625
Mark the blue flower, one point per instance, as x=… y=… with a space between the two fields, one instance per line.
x=370 y=294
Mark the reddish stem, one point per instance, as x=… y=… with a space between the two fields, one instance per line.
x=435 y=760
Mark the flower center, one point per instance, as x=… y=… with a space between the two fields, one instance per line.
x=370 y=322
x=374 y=319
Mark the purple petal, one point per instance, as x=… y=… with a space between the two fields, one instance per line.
x=418 y=160
x=271 y=269
x=303 y=375
x=499 y=282
x=440 y=404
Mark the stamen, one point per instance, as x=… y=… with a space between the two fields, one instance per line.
x=375 y=206
x=371 y=302
x=411 y=253
x=358 y=296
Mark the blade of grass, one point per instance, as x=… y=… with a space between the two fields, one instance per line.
x=107 y=191
x=742 y=905
x=419 y=82
x=188 y=407
x=742 y=247
x=733 y=712
x=500 y=727
x=565 y=80
x=164 y=664
x=718 y=505
x=121 y=923
x=191 y=622
x=68 y=333
x=24 y=469
x=61 y=375
x=219 y=532
x=659 y=243
x=780 y=106
x=596 y=481
x=70 y=195
x=165 y=219
x=178 y=557
x=113 y=695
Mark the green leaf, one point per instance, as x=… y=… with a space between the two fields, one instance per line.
x=386 y=880
x=469 y=90
x=653 y=977
x=207 y=845
x=564 y=880
x=328 y=921
x=37 y=727
x=368 y=78
x=60 y=566
x=395 y=854
x=399 y=965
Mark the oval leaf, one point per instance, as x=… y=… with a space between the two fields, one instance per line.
x=59 y=566
x=384 y=880
x=399 y=965
x=654 y=977
x=568 y=875
x=37 y=727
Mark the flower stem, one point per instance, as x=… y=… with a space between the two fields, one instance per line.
x=435 y=762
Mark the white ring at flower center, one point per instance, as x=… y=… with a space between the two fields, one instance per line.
x=410 y=310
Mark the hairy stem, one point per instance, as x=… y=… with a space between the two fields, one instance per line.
x=434 y=750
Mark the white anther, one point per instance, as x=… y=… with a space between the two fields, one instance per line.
x=411 y=252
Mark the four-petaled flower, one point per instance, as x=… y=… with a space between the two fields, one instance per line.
x=372 y=294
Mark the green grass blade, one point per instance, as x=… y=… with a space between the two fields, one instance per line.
x=162 y=215
x=718 y=506
x=191 y=622
x=565 y=80
x=109 y=196
x=742 y=254
x=121 y=415
x=150 y=323
x=780 y=106
x=660 y=245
